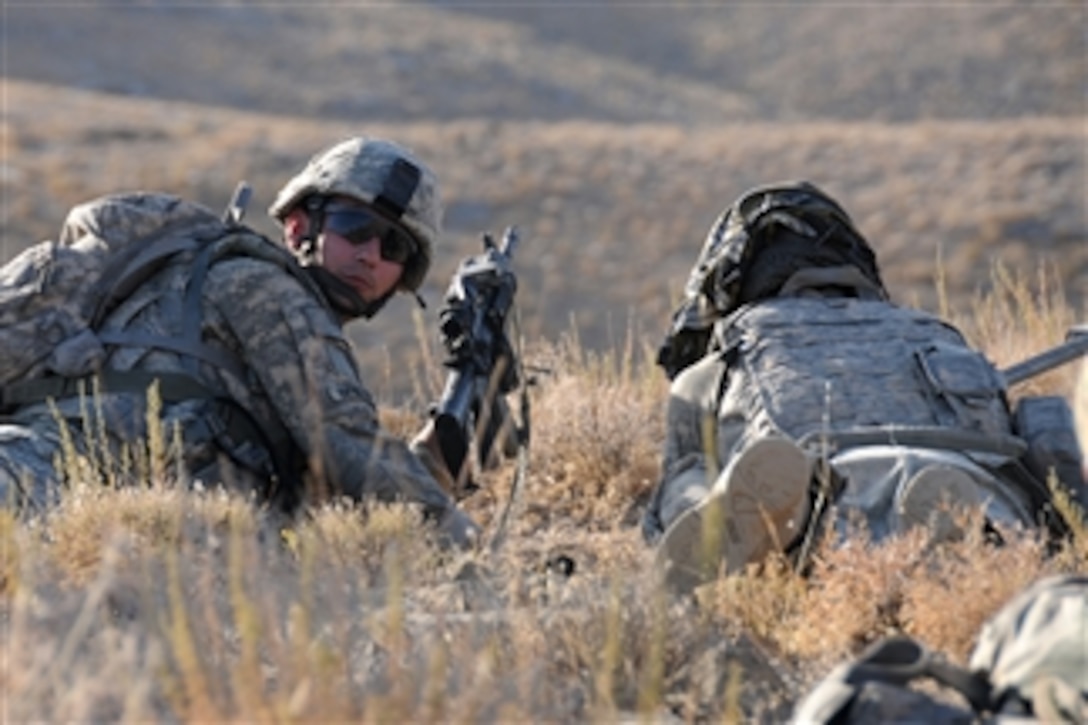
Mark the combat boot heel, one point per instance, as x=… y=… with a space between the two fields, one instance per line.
x=758 y=505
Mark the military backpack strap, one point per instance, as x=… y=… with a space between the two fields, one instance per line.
x=189 y=343
x=238 y=427
x=145 y=257
x=173 y=387
x=128 y=274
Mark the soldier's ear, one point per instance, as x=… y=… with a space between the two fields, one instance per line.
x=296 y=226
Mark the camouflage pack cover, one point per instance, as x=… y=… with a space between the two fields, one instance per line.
x=800 y=365
x=358 y=168
x=50 y=293
x=811 y=218
x=54 y=295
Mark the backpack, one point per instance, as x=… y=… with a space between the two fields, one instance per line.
x=858 y=372
x=835 y=373
x=55 y=296
x=767 y=234
x=1030 y=664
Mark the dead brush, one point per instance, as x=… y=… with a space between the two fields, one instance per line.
x=161 y=603
x=598 y=421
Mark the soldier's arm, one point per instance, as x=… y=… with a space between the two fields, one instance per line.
x=305 y=366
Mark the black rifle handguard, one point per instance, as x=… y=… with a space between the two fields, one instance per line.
x=478 y=353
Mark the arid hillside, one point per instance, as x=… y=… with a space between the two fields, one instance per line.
x=625 y=62
x=612 y=134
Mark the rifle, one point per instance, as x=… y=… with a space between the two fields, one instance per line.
x=236 y=208
x=1075 y=345
x=482 y=362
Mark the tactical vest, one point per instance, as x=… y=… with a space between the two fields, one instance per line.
x=859 y=371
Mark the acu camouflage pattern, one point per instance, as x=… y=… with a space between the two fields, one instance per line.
x=50 y=292
x=812 y=369
x=294 y=376
x=800 y=366
x=358 y=168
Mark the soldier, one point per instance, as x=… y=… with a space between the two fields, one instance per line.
x=802 y=398
x=256 y=373
x=1029 y=667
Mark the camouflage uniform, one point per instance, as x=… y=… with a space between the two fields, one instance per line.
x=1030 y=665
x=286 y=376
x=865 y=380
x=786 y=335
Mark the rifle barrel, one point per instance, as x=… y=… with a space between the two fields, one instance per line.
x=1075 y=345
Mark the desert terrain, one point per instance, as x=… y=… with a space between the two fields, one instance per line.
x=612 y=134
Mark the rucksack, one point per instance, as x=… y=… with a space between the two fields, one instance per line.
x=836 y=373
x=1030 y=664
x=55 y=294
x=852 y=369
x=755 y=244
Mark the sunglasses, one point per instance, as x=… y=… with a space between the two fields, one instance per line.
x=359 y=226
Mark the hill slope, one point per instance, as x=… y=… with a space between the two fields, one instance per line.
x=605 y=61
x=612 y=135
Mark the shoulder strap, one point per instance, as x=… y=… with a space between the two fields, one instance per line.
x=128 y=273
x=123 y=275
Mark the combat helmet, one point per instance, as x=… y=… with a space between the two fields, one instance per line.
x=768 y=233
x=384 y=175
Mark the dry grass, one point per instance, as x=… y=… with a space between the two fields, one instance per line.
x=163 y=604
x=160 y=604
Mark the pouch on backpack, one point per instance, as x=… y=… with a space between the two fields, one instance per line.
x=1046 y=425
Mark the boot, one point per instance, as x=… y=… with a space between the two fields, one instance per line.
x=759 y=504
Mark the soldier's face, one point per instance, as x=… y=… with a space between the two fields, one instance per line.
x=363 y=250
x=359 y=262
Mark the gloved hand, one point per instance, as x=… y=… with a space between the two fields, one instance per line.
x=428 y=448
x=456 y=530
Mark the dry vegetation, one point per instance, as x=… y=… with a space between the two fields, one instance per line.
x=164 y=604
x=613 y=137
x=611 y=217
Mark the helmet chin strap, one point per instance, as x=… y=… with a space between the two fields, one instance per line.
x=314 y=207
x=347 y=303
